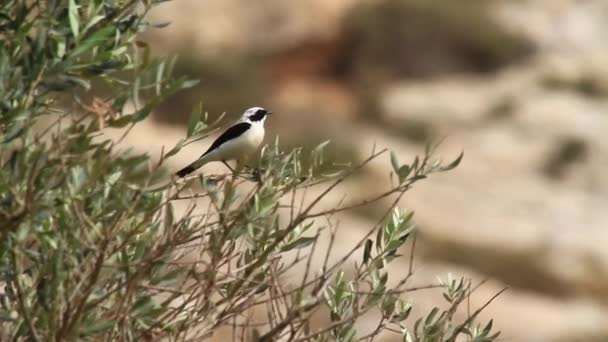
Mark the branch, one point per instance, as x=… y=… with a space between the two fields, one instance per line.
x=458 y=330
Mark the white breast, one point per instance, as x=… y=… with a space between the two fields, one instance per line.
x=255 y=135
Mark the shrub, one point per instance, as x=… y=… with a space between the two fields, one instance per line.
x=91 y=246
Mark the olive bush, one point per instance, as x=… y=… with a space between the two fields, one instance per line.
x=92 y=248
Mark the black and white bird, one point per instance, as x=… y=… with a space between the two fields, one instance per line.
x=238 y=142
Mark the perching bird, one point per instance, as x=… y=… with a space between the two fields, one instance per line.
x=237 y=142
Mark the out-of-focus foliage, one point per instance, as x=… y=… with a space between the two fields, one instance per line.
x=90 y=245
x=77 y=227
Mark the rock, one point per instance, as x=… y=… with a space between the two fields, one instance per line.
x=217 y=27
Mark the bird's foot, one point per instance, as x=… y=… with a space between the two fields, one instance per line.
x=256 y=174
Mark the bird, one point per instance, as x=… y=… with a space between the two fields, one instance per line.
x=239 y=141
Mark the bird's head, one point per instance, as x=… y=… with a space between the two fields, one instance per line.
x=255 y=114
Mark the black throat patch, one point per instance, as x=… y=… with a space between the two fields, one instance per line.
x=259 y=115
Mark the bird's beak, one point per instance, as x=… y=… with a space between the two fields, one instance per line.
x=268 y=112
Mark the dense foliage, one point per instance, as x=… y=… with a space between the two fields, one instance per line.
x=91 y=247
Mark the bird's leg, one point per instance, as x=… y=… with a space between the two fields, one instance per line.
x=255 y=171
x=228 y=166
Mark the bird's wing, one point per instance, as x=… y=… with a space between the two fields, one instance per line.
x=231 y=133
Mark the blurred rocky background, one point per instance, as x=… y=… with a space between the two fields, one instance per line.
x=520 y=86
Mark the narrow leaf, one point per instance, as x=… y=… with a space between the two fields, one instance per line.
x=94 y=40
x=321 y=146
x=367 y=251
x=175 y=149
x=403 y=172
x=395 y=162
x=195 y=118
x=81 y=82
x=96 y=328
x=189 y=84
x=161 y=25
x=168 y=221
x=453 y=164
x=73 y=15
x=159 y=77
x=299 y=243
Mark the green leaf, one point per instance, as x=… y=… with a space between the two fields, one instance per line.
x=373 y=298
x=159 y=76
x=81 y=82
x=168 y=221
x=73 y=15
x=144 y=306
x=22 y=232
x=92 y=22
x=144 y=112
x=350 y=335
x=169 y=278
x=121 y=121
x=453 y=164
x=395 y=162
x=404 y=311
x=119 y=102
x=189 y=84
x=94 y=40
x=96 y=328
x=262 y=288
x=388 y=304
x=415 y=163
x=417 y=178
x=175 y=149
x=14 y=131
x=367 y=251
x=403 y=172
x=61 y=49
x=114 y=177
x=195 y=118
x=145 y=58
x=161 y=25
x=49 y=240
x=495 y=336
x=417 y=327
x=321 y=146
x=299 y=243
x=488 y=328
x=431 y=316
x=77 y=178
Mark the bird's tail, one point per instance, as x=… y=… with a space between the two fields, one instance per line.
x=204 y=159
x=185 y=171
x=192 y=166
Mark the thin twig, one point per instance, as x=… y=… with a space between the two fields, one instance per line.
x=460 y=328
